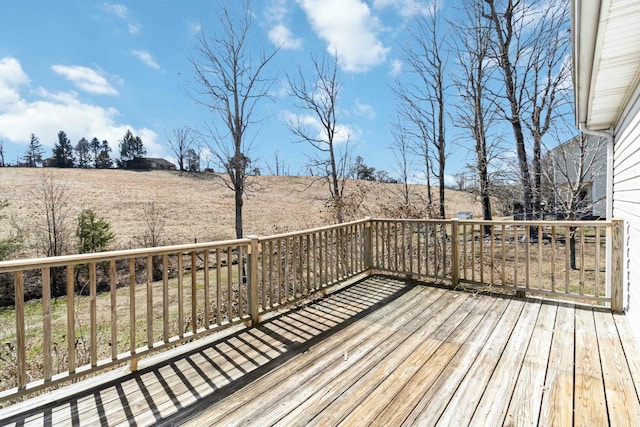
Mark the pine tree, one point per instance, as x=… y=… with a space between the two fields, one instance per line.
x=83 y=149
x=95 y=150
x=33 y=156
x=103 y=161
x=132 y=152
x=63 y=152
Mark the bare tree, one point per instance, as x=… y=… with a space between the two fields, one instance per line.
x=508 y=44
x=550 y=73
x=423 y=93
x=53 y=231
x=230 y=81
x=180 y=143
x=319 y=97
x=578 y=166
x=279 y=167
x=154 y=218
x=529 y=44
x=477 y=109
x=402 y=153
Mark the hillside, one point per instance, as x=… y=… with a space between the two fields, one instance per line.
x=195 y=206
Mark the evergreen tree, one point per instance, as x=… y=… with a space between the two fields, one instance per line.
x=33 y=156
x=94 y=233
x=132 y=152
x=83 y=149
x=103 y=161
x=95 y=150
x=63 y=152
x=193 y=160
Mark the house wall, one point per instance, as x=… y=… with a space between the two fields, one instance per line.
x=626 y=202
x=595 y=175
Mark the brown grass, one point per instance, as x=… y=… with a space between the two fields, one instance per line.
x=199 y=206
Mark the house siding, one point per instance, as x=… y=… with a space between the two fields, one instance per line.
x=626 y=203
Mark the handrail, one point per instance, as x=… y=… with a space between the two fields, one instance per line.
x=60 y=261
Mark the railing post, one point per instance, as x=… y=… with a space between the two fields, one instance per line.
x=455 y=253
x=252 y=279
x=616 y=274
x=368 y=245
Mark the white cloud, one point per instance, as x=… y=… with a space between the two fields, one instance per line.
x=276 y=14
x=396 y=67
x=11 y=78
x=194 y=28
x=364 y=110
x=343 y=133
x=134 y=28
x=146 y=58
x=48 y=113
x=118 y=10
x=407 y=8
x=349 y=29
x=85 y=79
x=281 y=36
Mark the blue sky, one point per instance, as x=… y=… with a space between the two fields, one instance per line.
x=96 y=69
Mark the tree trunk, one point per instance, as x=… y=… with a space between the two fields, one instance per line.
x=238 y=213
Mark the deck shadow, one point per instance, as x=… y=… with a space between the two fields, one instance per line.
x=218 y=369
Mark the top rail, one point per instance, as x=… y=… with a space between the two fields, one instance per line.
x=60 y=261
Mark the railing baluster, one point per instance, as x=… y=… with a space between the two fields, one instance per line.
x=540 y=238
x=46 y=323
x=527 y=240
x=180 y=295
x=165 y=297
x=516 y=261
x=149 y=301
x=229 y=284
x=194 y=291
x=567 y=258
x=493 y=249
x=21 y=330
x=308 y=270
x=473 y=252
x=218 y=287
x=482 y=254
x=132 y=306
x=114 y=309
x=285 y=282
x=553 y=258
x=264 y=277
x=207 y=286
x=596 y=267
x=71 y=330
x=242 y=294
x=93 y=315
x=582 y=247
x=504 y=254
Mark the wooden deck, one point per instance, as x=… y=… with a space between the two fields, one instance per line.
x=381 y=352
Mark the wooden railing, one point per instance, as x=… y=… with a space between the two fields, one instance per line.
x=550 y=258
x=102 y=310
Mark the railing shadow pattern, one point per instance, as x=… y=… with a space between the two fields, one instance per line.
x=184 y=384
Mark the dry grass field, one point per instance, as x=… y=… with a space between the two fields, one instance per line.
x=197 y=206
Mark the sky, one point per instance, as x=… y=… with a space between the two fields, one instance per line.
x=97 y=69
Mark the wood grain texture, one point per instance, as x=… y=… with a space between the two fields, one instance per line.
x=383 y=351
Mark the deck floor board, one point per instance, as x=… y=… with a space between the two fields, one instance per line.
x=384 y=351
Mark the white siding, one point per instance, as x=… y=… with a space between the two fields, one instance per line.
x=626 y=203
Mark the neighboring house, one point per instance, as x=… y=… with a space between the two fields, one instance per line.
x=159 y=164
x=580 y=177
x=606 y=67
